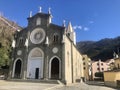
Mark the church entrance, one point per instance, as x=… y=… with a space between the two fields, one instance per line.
x=17 y=71
x=55 y=68
x=37 y=73
x=35 y=68
x=35 y=64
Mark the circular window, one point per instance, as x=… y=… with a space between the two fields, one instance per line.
x=19 y=52
x=55 y=50
x=37 y=36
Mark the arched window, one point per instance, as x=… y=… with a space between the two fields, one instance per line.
x=68 y=34
x=68 y=58
x=55 y=38
x=20 y=42
x=38 y=21
x=36 y=52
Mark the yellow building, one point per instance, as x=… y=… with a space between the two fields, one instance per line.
x=111 y=78
x=87 y=67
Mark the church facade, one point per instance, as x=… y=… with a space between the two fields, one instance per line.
x=45 y=51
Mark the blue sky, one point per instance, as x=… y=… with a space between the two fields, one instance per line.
x=91 y=19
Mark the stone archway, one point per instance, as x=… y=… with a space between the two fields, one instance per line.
x=35 y=64
x=17 y=69
x=55 y=68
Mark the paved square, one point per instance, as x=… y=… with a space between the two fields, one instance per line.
x=10 y=85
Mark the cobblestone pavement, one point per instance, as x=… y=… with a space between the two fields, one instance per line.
x=9 y=85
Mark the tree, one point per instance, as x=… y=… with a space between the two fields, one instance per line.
x=4 y=57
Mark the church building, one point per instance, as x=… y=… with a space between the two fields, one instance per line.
x=45 y=51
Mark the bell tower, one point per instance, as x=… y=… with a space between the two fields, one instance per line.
x=71 y=33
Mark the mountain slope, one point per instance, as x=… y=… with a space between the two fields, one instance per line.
x=102 y=49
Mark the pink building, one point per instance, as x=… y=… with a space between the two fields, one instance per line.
x=100 y=66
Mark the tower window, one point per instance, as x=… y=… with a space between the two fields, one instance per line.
x=38 y=22
x=55 y=38
x=68 y=34
x=83 y=58
x=20 y=42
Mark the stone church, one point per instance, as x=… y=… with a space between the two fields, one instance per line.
x=45 y=51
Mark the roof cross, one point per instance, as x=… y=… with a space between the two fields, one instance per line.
x=40 y=9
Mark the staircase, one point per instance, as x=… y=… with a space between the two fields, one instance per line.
x=37 y=81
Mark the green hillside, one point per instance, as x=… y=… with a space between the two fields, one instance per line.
x=7 y=29
x=102 y=49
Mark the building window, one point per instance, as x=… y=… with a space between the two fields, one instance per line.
x=98 y=69
x=55 y=38
x=20 y=42
x=68 y=58
x=102 y=69
x=83 y=58
x=102 y=64
x=83 y=63
x=38 y=22
x=84 y=68
x=69 y=34
x=118 y=66
x=98 y=64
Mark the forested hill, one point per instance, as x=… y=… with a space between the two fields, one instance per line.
x=7 y=29
x=102 y=49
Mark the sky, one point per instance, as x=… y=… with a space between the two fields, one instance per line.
x=91 y=19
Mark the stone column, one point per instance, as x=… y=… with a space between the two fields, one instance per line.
x=25 y=60
x=45 y=70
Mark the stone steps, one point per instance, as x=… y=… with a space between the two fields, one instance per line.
x=36 y=81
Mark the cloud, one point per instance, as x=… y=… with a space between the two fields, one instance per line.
x=79 y=27
x=91 y=22
x=85 y=28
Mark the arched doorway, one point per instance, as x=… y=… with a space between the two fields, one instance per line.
x=35 y=64
x=17 y=70
x=55 y=68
